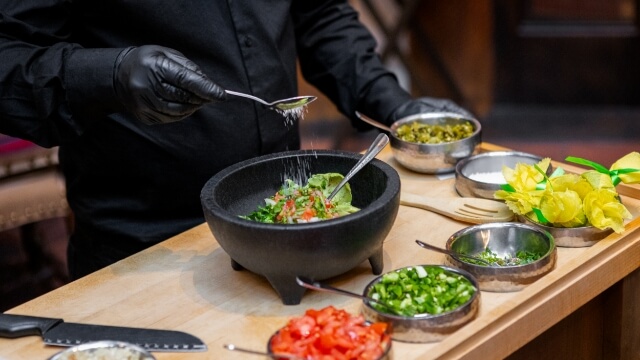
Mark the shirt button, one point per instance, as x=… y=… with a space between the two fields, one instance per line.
x=248 y=42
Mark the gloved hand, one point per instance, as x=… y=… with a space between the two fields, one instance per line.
x=426 y=105
x=160 y=85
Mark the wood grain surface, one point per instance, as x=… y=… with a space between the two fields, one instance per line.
x=186 y=283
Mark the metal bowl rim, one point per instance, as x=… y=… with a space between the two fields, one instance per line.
x=104 y=344
x=473 y=228
x=464 y=162
x=434 y=115
x=418 y=317
x=386 y=197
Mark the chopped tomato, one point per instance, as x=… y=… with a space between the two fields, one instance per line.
x=330 y=333
x=308 y=214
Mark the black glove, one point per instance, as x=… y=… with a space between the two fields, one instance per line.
x=427 y=105
x=160 y=85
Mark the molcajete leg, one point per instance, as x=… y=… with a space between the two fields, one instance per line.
x=235 y=266
x=287 y=287
x=377 y=261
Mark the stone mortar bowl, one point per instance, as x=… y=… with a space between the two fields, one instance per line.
x=317 y=250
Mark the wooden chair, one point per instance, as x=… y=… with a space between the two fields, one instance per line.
x=32 y=195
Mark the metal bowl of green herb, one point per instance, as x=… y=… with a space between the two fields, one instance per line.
x=433 y=143
x=423 y=303
x=519 y=254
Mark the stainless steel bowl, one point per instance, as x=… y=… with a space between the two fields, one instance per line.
x=505 y=239
x=571 y=237
x=481 y=175
x=425 y=328
x=104 y=350
x=434 y=158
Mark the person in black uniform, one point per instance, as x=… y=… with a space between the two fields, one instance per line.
x=132 y=92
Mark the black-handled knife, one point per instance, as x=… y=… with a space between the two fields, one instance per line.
x=59 y=333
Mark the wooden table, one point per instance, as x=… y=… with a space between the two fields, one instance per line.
x=187 y=283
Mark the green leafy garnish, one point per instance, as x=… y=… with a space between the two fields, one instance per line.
x=294 y=204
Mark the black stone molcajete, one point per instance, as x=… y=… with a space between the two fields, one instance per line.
x=318 y=250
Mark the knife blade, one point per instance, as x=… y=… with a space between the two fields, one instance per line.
x=57 y=332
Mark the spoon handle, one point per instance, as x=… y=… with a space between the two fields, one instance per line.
x=315 y=285
x=255 y=352
x=452 y=253
x=235 y=93
x=378 y=144
x=375 y=123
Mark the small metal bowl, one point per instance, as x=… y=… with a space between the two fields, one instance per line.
x=434 y=158
x=425 y=328
x=505 y=239
x=104 y=350
x=481 y=175
x=571 y=237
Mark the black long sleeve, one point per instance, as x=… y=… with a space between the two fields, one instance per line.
x=129 y=182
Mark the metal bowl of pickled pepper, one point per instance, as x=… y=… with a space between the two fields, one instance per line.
x=517 y=254
x=422 y=303
x=433 y=143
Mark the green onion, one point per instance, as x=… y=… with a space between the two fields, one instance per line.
x=422 y=290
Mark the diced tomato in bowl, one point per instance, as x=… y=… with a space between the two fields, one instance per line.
x=331 y=333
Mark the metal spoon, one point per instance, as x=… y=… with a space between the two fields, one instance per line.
x=282 y=104
x=263 y=353
x=378 y=144
x=316 y=285
x=452 y=253
x=375 y=123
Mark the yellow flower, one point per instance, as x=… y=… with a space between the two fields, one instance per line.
x=571 y=182
x=598 y=180
x=604 y=210
x=629 y=161
x=562 y=207
x=525 y=177
x=520 y=202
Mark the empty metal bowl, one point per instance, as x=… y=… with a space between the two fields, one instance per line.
x=481 y=175
x=104 y=350
x=504 y=239
x=425 y=328
x=571 y=237
x=434 y=158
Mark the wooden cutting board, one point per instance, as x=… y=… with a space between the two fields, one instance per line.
x=187 y=283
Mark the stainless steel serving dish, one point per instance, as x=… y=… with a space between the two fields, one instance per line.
x=571 y=237
x=434 y=158
x=425 y=328
x=504 y=239
x=481 y=175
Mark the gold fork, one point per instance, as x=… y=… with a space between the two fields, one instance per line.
x=466 y=209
